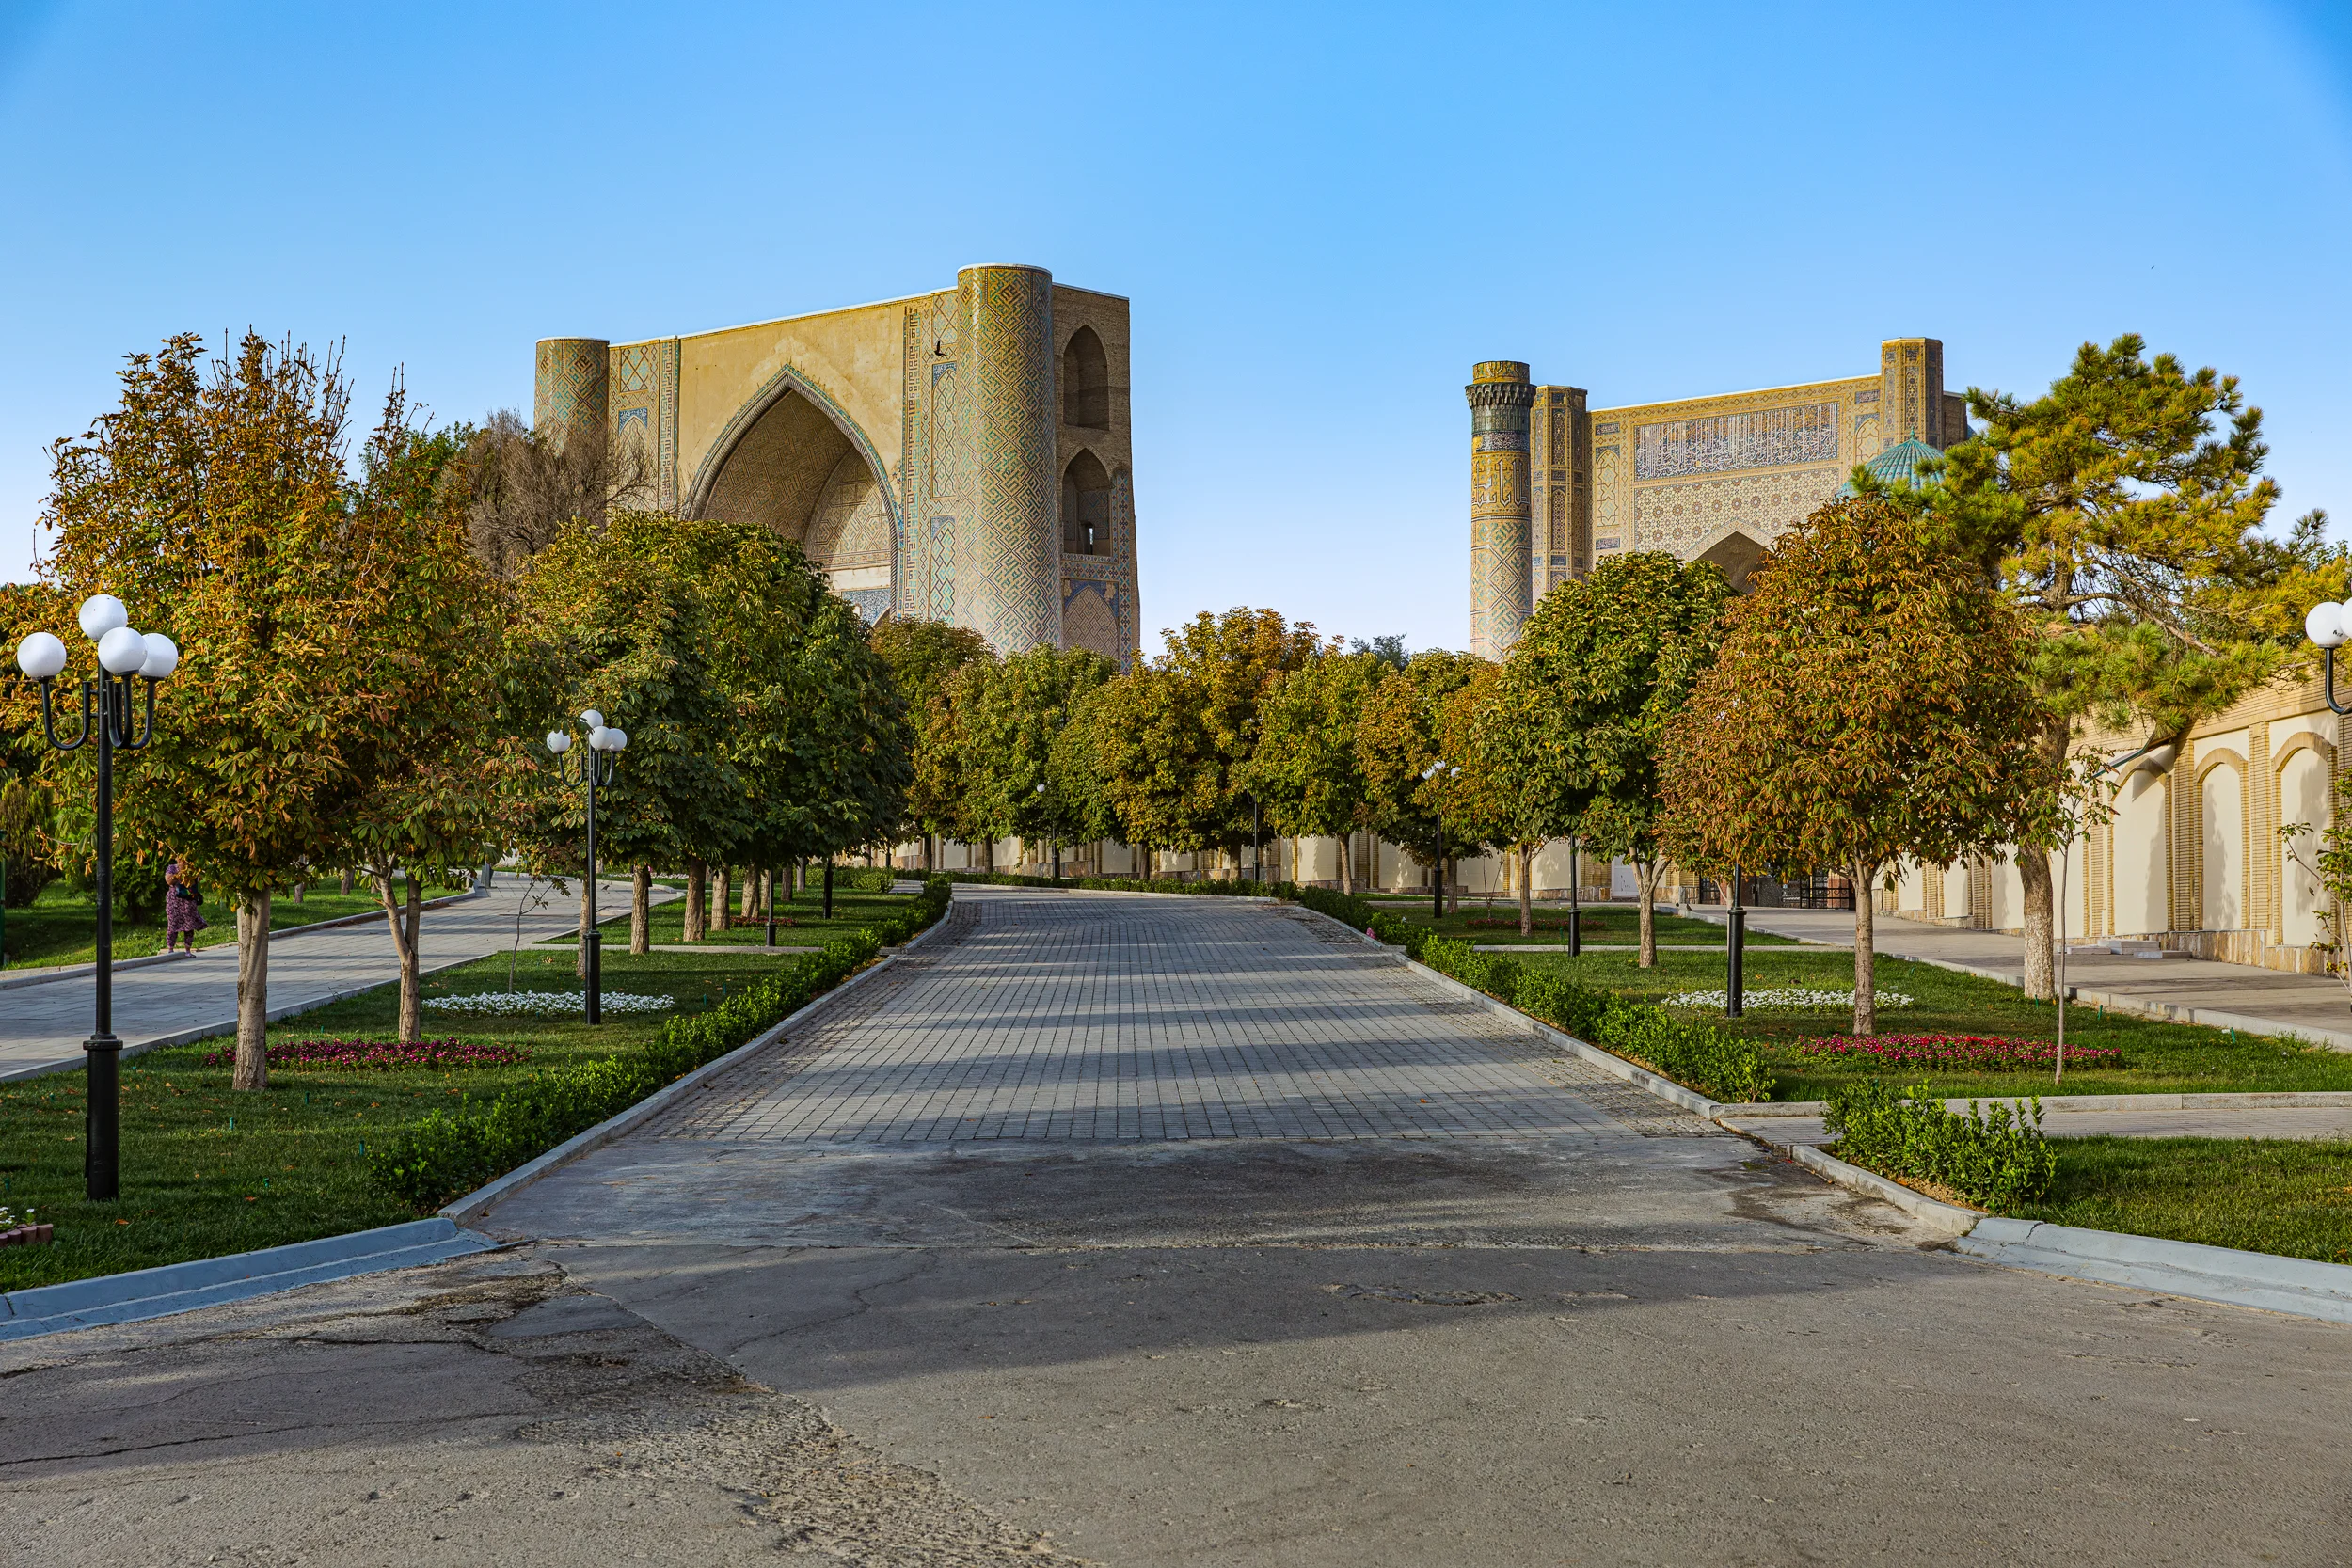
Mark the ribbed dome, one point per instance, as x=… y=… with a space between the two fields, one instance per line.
x=1896 y=465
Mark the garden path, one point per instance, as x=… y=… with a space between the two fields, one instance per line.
x=42 y=1026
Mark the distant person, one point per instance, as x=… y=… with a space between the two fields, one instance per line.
x=182 y=916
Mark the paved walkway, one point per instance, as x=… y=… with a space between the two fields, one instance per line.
x=2191 y=991
x=42 y=1026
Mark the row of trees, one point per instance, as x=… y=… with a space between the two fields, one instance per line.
x=371 y=651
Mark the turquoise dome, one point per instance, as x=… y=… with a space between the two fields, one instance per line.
x=1896 y=465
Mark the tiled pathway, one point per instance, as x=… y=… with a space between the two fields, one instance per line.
x=1065 y=1017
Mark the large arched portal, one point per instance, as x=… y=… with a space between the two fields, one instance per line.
x=794 y=470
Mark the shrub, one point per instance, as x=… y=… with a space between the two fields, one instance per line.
x=451 y=1152
x=1995 y=1158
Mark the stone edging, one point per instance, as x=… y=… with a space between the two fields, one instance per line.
x=2255 y=1100
x=473 y=1204
x=157 y=1293
x=2227 y=1274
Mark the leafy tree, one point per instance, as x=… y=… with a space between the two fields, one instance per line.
x=434 y=633
x=1022 y=706
x=922 y=655
x=1870 y=701
x=1495 y=798
x=1583 y=704
x=838 y=782
x=940 y=786
x=1305 y=767
x=523 y=487
x=1152 y=764
x=1397 y=738
x=212 y=502
x=2123 y=510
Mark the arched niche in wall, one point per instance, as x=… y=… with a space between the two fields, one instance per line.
x=2305 y=768
x=2221 y=838
x=1085 y=381
x=792 y=466
x=1086 y=507
x=1735 y=555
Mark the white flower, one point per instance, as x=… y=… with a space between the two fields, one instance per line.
x=545 y=1002
x=1782 y=997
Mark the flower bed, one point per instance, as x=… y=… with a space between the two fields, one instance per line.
x=1781 y=999
x=499 y=1002
x=383 y=1055
x=1981 y=1052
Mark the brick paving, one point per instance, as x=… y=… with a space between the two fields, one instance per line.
x=1102 y=1017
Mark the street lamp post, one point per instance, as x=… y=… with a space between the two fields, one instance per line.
x=596 y=771
x=1576 y=901
x=123 y=656
x=1735 y=949
x=2328 y=625
x=1437 y=813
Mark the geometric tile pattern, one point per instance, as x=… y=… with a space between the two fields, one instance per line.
x=1006 y=558
x=1502 y=505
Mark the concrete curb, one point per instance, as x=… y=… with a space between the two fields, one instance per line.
x=73 y=972
x=474 y=1203
x=123 y=1298
x=1951 y=1218
x=2296 y=1286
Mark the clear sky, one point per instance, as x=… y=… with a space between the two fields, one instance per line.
x=1323 y=216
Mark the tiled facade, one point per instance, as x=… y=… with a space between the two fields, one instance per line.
x=924 y=450
x=1712 y=478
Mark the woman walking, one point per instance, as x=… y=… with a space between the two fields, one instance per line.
x=182 y=917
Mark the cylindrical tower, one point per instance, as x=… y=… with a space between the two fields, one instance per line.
x=1501 y=515
x=1008 y=560
x=571 y=394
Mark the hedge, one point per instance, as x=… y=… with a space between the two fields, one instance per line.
x=1997 y=1159
x=449 y=1153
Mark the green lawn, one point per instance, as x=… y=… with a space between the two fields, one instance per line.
x=208 y=1171
x=1499 y=923
x=2289 y=1197
x=2157 y=1056
x=799 y=921
x=61 y=926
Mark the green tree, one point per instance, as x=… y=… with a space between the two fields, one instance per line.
x=1305 y=767
x=1398 y=739
x=922 y=655
x=435 y=633
x=212 y=500
x=1870 y=701
x=2123 y=510
x=1582 y=704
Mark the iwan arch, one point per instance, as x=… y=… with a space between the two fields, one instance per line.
x=964 y=455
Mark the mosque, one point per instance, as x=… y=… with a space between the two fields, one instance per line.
x=962 y=456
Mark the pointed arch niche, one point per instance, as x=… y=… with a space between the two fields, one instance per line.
x=1086 y=507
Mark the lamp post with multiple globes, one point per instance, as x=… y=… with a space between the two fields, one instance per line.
x=108 y=722
x=2328 y=625
x=596 y=771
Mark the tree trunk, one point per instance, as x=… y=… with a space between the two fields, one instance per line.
x=252 y=992
x=1451 y=871
x=1347 y=864
x=345 y=888
x=930 y=853
x=579 y=954
x=751 y=893
x=720 y=906
x=411 y=982
x=1645 y=875
x=2033 y=878
x=697 y=917
x=641 y=909
x=1865 y=1009
x=1526 y=890
x=988 y=854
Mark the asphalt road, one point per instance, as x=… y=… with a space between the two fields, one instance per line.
x=1158 y=1232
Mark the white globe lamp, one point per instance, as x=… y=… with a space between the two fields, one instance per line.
x=41 y=656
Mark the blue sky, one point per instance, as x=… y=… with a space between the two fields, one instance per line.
x=1323 y=216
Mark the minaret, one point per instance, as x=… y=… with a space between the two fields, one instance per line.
x=1501 y=511
x=572 y=392
x=1009 y=553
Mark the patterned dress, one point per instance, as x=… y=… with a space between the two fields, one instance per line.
x=180 y=898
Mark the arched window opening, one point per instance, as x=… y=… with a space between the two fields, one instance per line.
x=1086 y=382
x=1086 y=507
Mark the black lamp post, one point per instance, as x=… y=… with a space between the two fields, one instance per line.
x=2328 y=625
x=123 y=657
x=1437 y=814
x=1735 y=949
x=1576 y=905
x=596 y=768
